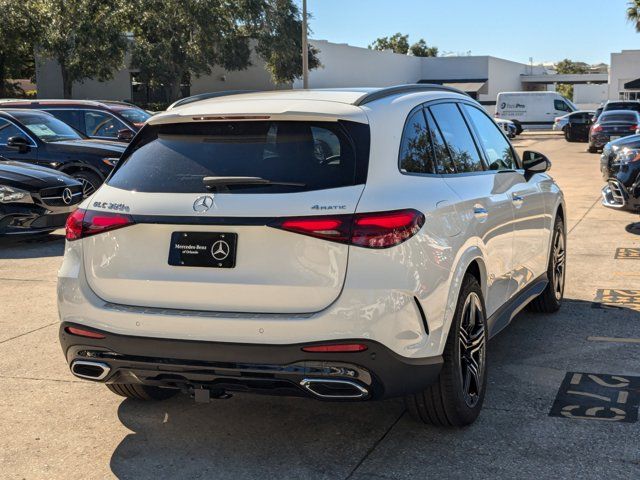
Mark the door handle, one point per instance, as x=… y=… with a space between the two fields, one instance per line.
x=518 y=200
x=480 y=213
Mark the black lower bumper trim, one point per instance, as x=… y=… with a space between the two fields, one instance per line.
x=272 y=369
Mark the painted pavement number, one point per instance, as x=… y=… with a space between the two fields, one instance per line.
x=616 y=298
x=586 y=396
x=627 y=254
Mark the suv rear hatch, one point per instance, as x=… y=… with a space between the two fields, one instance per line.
x=198 y=199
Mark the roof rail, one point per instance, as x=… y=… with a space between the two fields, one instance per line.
x=205 y=96
x=398 y=89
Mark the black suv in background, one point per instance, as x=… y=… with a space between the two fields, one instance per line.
x=622 y=105
x=106 y=120
x=620 y=166
x=39 y=138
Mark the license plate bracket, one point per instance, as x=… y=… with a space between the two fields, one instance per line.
x=203 y=249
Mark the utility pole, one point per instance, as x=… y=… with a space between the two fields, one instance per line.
x=305 y=48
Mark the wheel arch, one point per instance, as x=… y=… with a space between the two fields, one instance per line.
x=471 y=262
x=72 y=168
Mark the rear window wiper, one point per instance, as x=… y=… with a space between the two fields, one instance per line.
x=214 y=182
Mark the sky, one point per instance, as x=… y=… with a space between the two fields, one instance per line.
x=547 y=30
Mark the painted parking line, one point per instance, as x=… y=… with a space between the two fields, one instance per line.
x=588 y=396
x=617 y=298
x=627 y=254
x=613 y=339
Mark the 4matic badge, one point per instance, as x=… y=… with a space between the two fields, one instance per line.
x=329 y=207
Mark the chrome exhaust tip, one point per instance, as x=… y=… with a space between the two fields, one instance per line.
x=334 y=389
x=90 y=370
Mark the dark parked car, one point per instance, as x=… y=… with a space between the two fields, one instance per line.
x=106 y=120
x=39 y=138
x=35 y=199
x=620 y=166
x=599 y=111
x=612 y=125
x=578 y=126
x=622 y=105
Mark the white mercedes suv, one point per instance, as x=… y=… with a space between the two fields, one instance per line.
x=350 y=244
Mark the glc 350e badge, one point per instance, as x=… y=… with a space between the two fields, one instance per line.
x=203 y=204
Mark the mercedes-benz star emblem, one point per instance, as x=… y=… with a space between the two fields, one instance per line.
x=67 y=196
x=220 y=250
x=203 y=204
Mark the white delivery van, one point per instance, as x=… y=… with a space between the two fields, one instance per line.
x=532 y=109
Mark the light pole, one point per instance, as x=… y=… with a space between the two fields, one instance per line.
x=305 y=48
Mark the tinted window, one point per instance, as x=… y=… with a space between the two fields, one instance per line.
x=497 y=149
x=459 y=141
x=176 y=157
x=622 y=106
x=416 y=155
x=135 y=115
x=8 y=130
x=618 y=117
x=70 y=117
x=100 y=124
x=444 y=163
x=562 y=106
x=47 y=127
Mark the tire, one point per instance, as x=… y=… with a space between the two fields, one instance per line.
x=141 y=392
x=90 y=182
x=567 y=135
x=450 y=402
x=550 y=300
x=592 y=149
x=519 y=128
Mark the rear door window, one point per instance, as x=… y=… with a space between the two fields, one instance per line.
x=307 y=155
x=460 y=144
x=416 y=154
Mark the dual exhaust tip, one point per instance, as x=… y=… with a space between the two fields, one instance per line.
x=334 y=389
x=319 y=387
x=90 y=370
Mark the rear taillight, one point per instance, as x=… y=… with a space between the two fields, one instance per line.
x=596 y=128
x=81 y=332
x=370 y=230
x=84 y=223
x=633 y=128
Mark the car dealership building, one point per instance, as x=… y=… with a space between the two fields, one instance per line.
x=342 y=65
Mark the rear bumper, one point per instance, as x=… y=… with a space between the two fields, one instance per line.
x=375 y=373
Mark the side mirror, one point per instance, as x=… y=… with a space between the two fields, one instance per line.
x=19 y=143
x=535 y=162
x=125 y=135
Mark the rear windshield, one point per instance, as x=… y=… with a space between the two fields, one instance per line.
x=623 y=106
x=312 y=155
x=618 y=117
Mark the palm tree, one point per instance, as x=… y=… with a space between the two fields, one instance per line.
x=633 y=13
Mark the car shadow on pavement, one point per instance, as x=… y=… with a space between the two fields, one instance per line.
x=253 y=436
x=248 y=436
x=39 y=246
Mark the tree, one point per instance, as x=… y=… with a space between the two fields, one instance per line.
x=633 y=13
x=567 y=66
x=174 y=39
x=397 y=43
x=85 y=37
x=18 y=32
x=420 y=49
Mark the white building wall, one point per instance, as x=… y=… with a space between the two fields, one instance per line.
x=590 y=96
x=625 y=67
x=347 y=66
